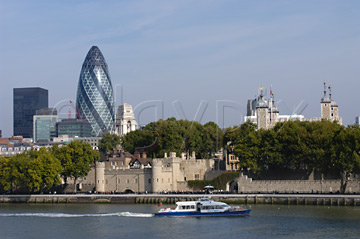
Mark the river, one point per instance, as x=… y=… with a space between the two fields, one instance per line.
x=137 y=221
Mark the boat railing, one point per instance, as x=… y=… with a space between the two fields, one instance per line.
x=236 y=208
x=165 y=209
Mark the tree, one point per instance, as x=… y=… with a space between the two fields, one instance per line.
x=17 y=169
x=43 y=169
x=212 y=140
x=108 y=143
x=171 y=135
x=34 y=170
x=243 y=141
x=345 y=153
x=65 y=161
x=5 y=173
x=77 y=159
x=138 y=138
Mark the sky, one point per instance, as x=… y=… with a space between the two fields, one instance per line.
x=191 y=59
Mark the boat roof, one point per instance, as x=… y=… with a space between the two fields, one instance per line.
x=203 y=201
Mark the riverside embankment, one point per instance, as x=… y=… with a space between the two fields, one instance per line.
x=290 y=199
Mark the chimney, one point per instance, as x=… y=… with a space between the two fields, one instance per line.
x=143 y=155
x=183 y=156
x=172 y=154
x=137 y=155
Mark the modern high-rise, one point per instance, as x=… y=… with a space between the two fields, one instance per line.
x=26 y=102
x=45 y=125
x=95 y=98
x=357 y=120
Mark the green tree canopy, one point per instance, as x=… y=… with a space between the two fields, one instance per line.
x=173 y=135
x=75 y=159
x=108 y=143
x=323 y=146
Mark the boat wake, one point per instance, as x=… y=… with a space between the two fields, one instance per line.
x=64 y=215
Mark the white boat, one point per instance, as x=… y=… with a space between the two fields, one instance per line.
x=202 y=207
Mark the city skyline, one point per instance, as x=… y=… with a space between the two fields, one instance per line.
x=185 y=53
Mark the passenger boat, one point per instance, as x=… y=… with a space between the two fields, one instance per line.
x=202 y=207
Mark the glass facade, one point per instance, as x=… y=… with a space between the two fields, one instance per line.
x=95 y=98
x=74 y=127
x=45 y=125
x=26 y=102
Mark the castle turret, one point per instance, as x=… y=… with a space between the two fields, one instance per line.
x=329 y=108
x=100 y=177
x=262 y=110
x=166 y=173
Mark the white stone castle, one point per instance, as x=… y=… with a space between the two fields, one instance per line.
x=265 y=114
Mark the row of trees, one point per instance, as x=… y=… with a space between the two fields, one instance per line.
x=173 y=135
x=41 y=170
x=322 y=146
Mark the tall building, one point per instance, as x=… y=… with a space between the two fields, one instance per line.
x=74 y=127
x=329 y=108
x=357 y=121
x=125 y=120
x=95 y=98
x=0 y=133
x=45 y=125
x=26 y=102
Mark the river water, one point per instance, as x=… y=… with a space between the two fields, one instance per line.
x=137 y=221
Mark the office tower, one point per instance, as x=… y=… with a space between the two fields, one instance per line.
x=26 y=102
x=45 y=125
x=95 y=99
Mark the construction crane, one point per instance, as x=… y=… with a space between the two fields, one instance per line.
x=77 y=113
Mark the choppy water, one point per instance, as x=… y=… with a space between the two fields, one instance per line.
x=137 y=221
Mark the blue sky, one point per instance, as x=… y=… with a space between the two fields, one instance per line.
x=187 y=52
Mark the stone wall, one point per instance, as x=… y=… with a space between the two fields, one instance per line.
x=171 y=173
x=248 y=185
x=135 y=180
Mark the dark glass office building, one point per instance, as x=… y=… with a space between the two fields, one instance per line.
x=26 y=102
x=74 y=127
x=95 y=98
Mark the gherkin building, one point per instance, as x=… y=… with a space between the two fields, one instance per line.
x=95 y=97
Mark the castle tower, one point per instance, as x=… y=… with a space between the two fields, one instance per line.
x=166 y=173
x=273 y=110
x=329 y=108
x=262 y=112
x=100 y=177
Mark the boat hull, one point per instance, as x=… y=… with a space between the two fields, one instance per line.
x=207 y=214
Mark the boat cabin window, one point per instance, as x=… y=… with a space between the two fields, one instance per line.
x=186 y=207
x=208 y=207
